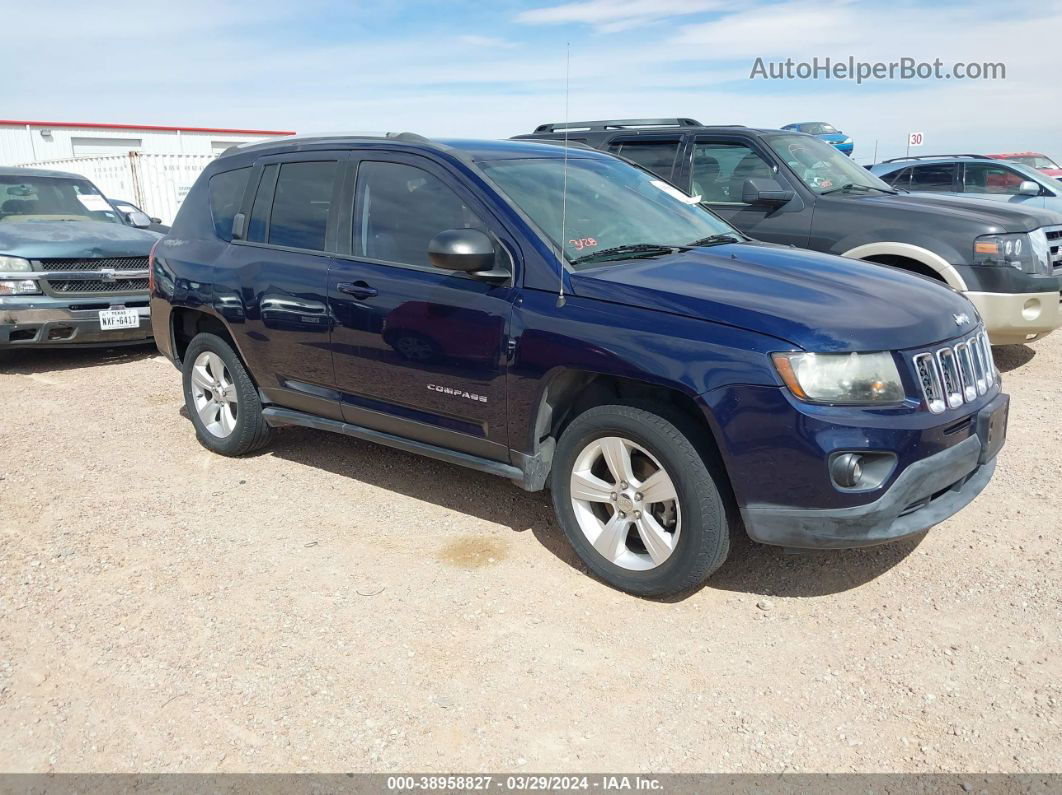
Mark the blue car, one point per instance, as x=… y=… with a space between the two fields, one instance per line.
x=827 y=132
x=666 y=377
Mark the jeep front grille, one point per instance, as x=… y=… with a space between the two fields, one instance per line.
x=1054 y=248
x=956 y=374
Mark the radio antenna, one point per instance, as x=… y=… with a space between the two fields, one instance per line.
x=564 y=172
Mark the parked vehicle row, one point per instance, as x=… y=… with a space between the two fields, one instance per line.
x=611 y=317
x=791 y=188
x=565 y=319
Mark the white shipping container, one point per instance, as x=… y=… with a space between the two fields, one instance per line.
x=156 y=183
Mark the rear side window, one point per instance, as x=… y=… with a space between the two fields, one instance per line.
x=899 y=179
x=263 y=202
x=656 y=156
x=936 y=178
x=226 y=193
x=301 y=203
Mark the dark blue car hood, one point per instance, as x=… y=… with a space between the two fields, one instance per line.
x=70 y=239
x=815 y=301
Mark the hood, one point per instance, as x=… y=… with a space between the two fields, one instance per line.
x=74 y=239
x=1009 y=217
x=818 y=302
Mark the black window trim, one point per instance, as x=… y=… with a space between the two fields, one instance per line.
x=350 y=180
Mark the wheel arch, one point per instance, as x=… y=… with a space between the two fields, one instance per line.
x=567 y=393
x=187 y=322
x=884 y=251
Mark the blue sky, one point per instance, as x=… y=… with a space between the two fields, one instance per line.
x=492 y=69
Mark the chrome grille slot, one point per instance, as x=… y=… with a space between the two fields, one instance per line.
x=929 y=376
x=949 y=370
x=956 y=374
x=969 y=379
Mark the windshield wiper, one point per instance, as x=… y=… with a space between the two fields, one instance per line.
x=852 y=186
x=633 y=249
x=713 y=240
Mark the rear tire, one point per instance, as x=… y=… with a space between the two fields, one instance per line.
x=637 y=500
x=221 y=400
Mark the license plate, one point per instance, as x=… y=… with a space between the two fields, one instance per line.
x=992 y=427
x=111 y=319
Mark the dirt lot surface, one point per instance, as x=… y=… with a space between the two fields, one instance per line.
x=332 y=605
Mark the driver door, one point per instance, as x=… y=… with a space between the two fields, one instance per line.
x=419 y=351
x=718 y=172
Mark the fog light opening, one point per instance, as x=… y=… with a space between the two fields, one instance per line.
x=847 y=470
x=1031 y=310
x=862 y=471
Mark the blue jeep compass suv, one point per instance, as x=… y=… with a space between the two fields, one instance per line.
x=563 y=318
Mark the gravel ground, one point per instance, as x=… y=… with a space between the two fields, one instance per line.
x=332 y=605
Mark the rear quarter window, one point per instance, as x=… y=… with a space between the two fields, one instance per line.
x=226 y=193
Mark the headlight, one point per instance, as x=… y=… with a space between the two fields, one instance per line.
x=17 y=264
x=853 y=378
x=20 y=287
x=1027 y=252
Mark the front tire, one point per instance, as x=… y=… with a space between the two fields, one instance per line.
x=221 y=399
x=637 y=501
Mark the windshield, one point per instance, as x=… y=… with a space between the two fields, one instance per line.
x=820 y=166
x=819 y=128
x=610 y=204
x=33 y=198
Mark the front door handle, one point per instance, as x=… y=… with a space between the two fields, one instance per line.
x=357 y=289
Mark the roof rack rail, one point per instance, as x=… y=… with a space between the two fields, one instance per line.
x=409 y=137
x=934 y=157
x=616 y=124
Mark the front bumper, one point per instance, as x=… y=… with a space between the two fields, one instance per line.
x=41 y=321
x=925 y=494
x=1014 y=318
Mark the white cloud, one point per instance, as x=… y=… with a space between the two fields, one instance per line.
x=615 y=15
x=490 y=42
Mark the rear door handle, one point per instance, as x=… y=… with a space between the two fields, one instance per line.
x=357 y=289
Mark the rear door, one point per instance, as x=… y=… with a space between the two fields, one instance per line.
x=283 y=262
x=419 y=351
x=718 y=169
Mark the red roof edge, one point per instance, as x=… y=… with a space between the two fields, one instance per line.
x=167 y=128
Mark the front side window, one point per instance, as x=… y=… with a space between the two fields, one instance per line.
x=940 y=178
x=821 y=167
x=301 y=202
x=398 y=209
x=989 y=178
x=33 y=198
x=721 y=168
x=226 y=193
x=899 y=179
x=609 y=204
x=656 y=156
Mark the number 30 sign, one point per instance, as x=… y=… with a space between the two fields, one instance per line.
x=916 y=139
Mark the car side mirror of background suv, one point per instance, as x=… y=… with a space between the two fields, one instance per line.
x=138 y=219
x=1028 y=188
x=764 y=190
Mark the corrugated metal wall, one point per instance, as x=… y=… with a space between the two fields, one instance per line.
x=155 y=183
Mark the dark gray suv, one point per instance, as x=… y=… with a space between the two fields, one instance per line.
x=787 y=187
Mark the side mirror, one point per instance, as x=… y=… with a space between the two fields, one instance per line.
x=467 y=250
x=156 y=220
x=138 y=219
x=1028 y=188
x=764 y=190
